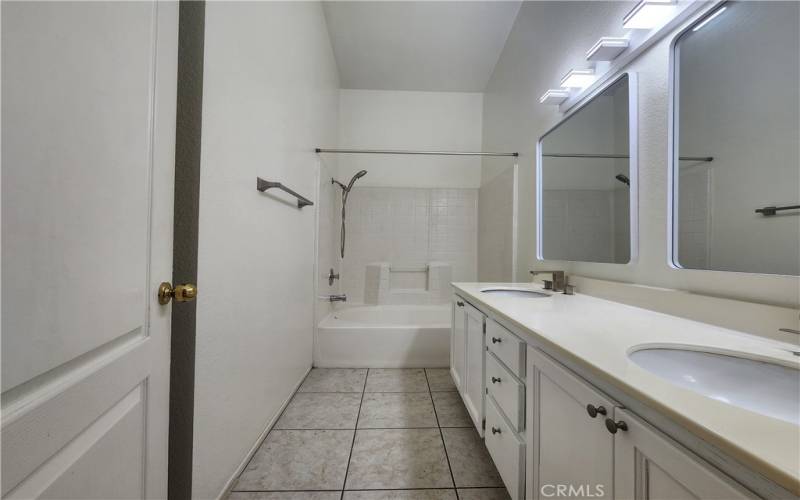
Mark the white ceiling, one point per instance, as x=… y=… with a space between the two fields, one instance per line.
x=418 y=45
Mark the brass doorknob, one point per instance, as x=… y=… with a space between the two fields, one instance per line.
x=181 y=293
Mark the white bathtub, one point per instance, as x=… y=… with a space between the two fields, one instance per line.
x=385 y=336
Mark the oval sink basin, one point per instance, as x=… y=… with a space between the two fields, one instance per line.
x=515 y=292
x=765 y=388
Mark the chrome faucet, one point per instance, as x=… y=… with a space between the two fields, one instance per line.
x=559 y=283
x=336 y=298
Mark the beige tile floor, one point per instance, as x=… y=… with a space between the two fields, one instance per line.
x=372 y=434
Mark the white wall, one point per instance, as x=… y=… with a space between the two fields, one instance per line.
x=270 y=96
x=513 y=120
x=377 y=119
x=496 y=229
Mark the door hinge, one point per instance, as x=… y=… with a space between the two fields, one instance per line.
x=483 y=424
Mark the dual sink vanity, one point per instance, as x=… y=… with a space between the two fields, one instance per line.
x=577 y=396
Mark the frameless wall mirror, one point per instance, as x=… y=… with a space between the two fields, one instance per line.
x=736 y=140
x=586 y=180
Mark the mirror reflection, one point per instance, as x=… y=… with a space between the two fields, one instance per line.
x=585 y=182
x=737 y=102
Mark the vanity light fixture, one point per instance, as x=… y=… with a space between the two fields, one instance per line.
x=648 y=14
x=607 y=49
x=709 y=18
x=554 y=96
x=578 y=78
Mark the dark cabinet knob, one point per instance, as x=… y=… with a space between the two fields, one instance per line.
x=613 y=427
x=593 y=410
x=495 y=430
x=496 y=340
x=459 y=303
x=495 y=380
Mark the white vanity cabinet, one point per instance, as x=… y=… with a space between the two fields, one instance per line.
x=570 y=444
x=491 y=382
x=458 y=342
x=566 y=445
x=505 y=405
x=473 y=387
x=549 y=430
x=648 y=465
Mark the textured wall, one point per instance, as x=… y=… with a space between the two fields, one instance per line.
x=496 y=228
x=514 y=120
x=270 y=96
x=438 y=121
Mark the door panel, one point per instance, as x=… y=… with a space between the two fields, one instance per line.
x=76 y=178
x=88 y=115
x=569 y=447
x=474 y=387
x=648 y=465
x=458 y=343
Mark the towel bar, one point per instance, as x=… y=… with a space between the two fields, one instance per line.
x=263 y=185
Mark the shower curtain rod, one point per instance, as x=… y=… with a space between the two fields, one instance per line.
x=582 y=155
x=399 y=152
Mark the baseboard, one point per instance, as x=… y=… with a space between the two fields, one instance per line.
x=229 y=483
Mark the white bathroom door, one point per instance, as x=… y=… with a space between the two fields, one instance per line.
x=88 y=148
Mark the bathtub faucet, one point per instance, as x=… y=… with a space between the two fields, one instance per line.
x=336 y=298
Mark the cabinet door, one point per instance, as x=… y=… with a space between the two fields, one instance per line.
x=648 y=465
x=474 y=387
x=570 y=453
x=458 y=343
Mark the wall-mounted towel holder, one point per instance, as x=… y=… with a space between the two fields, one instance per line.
x=263 y=185
x=767 y=211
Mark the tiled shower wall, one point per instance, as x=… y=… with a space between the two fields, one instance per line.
x=408 y=227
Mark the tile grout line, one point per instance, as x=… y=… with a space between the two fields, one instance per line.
x=441 y=435
x=355 y=430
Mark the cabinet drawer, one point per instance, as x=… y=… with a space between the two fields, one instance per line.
x=507 y=451
x=506 y=346
x=507 y=391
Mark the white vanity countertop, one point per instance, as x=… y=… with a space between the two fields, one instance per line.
x=598 y=334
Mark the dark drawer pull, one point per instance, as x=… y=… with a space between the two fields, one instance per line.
x=495 y=380
x=613 y=427
x=459 y=303
x=593 y=410
x=495 y=430
x=496 y=340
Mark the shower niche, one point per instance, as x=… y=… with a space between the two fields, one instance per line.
x=388 y=284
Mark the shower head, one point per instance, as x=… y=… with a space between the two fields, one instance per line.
x=349 y=186
x=623 y=179
x=359 y=174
